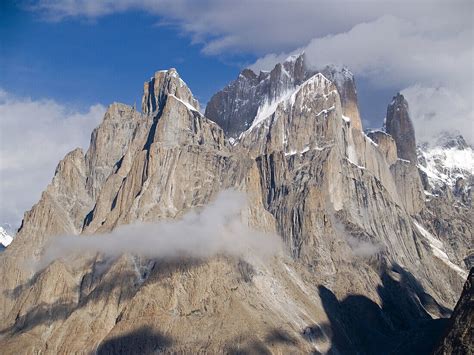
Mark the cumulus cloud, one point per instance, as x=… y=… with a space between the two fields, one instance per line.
x=35 y=135
x=217 y=229
x=398 y=45
x=432 y=65
x=262 y=26
x=440 y=109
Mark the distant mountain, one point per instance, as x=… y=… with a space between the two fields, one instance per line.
x=5 y=238
x=447 y=164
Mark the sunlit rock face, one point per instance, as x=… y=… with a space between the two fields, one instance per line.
x=362 y=266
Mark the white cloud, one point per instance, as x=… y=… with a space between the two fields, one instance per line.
x=430 y=64
x=436 y=110
x=218 y=229
x=394 y=44
x=267 y=25
x=35 y=136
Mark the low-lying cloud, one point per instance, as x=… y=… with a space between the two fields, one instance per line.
x=363 y=248
x=218 y=228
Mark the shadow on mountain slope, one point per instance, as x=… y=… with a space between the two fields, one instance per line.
x=94 y=286
x=400 y=325
x=43 y=314
x=141 y=341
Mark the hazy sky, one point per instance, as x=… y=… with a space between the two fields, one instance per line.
x=63 y=61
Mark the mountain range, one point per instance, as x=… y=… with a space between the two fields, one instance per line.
x=272 y=223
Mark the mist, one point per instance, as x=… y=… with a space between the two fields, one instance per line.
x=219 y=228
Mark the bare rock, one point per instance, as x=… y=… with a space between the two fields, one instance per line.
x=398 y=124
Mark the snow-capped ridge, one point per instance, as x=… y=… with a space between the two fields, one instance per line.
x=447 y=161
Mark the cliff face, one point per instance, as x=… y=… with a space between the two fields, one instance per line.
x=347 y=209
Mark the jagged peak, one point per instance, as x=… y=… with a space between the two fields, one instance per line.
x=318 y=79
x=451 y=140
x=399 y=125
x=118 y=107
x=399 y=100
x=74 y=155
x=162 y=84
x=248 y=74
x=339 y=74
x=294 y=57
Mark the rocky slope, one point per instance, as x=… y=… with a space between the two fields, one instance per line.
x=361 y=269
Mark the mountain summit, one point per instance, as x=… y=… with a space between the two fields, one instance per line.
x=236 y=107
x=399 y=125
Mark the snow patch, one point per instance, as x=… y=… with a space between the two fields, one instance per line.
x=187 y=104
x=437 y=247
x=268 y=108
x=446 y=165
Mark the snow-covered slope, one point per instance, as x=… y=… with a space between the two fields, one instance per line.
x=5 y=238
x=447 y=163
x=266 y=109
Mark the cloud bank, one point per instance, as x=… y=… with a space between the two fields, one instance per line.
x=430 y=64
x=35 y=136
x=409 y=46
x=217 y=229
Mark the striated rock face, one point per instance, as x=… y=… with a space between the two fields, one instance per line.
x=239 y=104
x=459 y=336
x=398 y=124
x=362 y=267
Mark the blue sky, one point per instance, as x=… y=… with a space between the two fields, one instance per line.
x=82 y=61
x=63 y=61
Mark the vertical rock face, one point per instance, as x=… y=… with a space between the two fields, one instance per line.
x=386 y=145
x=236 y=107
x=345 y=84
x=459 y=336
x=398 y=124
x=109 y=142
x=345 y=207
